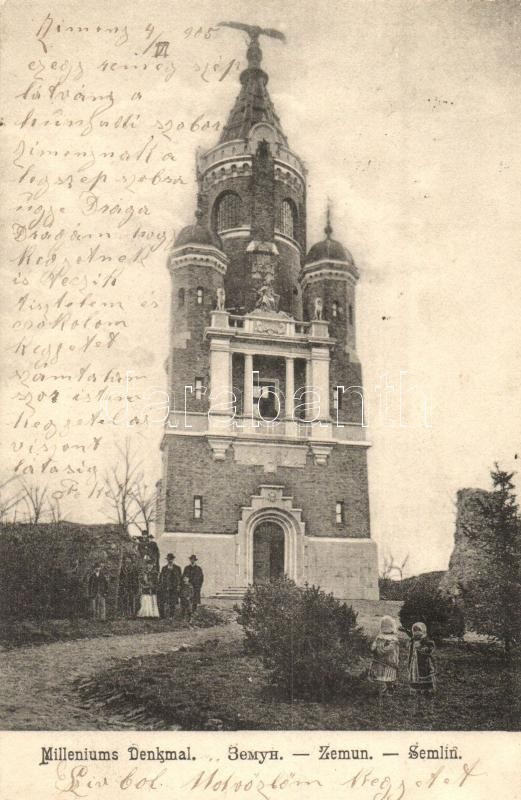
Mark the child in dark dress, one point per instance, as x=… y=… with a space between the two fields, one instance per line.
x=422 y=674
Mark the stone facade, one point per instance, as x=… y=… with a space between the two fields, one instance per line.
x=264 y=459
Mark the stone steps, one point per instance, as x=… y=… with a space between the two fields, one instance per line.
x=230 y=593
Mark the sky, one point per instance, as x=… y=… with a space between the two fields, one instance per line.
x=407 y=115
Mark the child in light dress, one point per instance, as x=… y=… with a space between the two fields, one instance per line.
x=384 y=666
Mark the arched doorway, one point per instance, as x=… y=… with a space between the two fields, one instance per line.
x=268 y=552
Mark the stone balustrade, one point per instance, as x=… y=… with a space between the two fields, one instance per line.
x=273 y=326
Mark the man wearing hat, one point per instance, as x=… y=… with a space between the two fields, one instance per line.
x=148 y=549
x=195 y=575
x=169 y=586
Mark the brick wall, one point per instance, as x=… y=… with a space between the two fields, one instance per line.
x=344 y=372
x=227 y=486
x=190 y=354
x=261 y=194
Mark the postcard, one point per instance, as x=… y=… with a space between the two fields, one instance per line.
x=260 y=527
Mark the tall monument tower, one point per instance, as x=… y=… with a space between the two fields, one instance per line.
x=264 y=454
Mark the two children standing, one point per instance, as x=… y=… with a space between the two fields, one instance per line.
x=386 y=651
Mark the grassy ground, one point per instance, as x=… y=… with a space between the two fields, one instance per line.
x=219 y=686
x=17 y=633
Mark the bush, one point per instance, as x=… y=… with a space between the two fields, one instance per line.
x=308 y=640
x=44 y=568
x=390 y=589
x=441 y=614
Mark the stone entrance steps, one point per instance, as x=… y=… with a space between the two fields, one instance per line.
x=230 y=593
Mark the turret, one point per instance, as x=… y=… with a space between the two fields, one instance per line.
x=329 y=274
x=197 y=265
x=328 y=278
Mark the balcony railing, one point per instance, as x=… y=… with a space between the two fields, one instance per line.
x=241 y=425
x=272 y=326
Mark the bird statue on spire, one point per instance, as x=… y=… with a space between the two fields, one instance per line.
x=254 y=53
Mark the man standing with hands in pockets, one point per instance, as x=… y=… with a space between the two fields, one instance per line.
x=195 y=575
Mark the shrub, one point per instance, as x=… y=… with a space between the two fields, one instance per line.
x=44 y=568
x=441 y=614
x=308 y=640
x=390 y=589
x=492 y=597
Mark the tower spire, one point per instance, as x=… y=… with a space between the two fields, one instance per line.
x=328 y=230
x=253 y=103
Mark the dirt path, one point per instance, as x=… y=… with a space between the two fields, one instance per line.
x=36 y=691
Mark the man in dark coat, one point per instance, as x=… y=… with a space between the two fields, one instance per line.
x=195 y=575
x=148 y=549
x=169 y=586
x=98 y=590
x=129 y=588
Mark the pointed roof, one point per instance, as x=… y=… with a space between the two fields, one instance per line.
x=328 y=248
x=253 y=103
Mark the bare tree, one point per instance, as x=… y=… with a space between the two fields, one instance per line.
x=145 y=501
x=393 y=570
x=9 y=498
x=122 y=482
x=55 y=510
x=34 y=498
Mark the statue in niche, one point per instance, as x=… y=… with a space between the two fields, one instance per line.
x=221 y=298
x=267 y=299
x=319 y=307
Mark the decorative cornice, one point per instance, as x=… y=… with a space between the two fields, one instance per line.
x=198 y=256
x=282 y=237
x=264 y=438
x=244 y=232
x=326 y=268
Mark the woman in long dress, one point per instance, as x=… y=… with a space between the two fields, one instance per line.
x=149 y=607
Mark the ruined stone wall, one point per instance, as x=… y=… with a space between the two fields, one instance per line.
x=467 y=561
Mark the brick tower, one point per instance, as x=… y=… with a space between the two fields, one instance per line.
x=264 y=452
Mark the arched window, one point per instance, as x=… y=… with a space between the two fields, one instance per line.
x=200 y=295
x=350 y=315
x=228 y=210
x=181 y=298
x=334 y=309
x=288 y=218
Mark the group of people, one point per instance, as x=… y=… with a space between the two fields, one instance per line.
x=162 y=592
x=146 y=591
x=386 y=656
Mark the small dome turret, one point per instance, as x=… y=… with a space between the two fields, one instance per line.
x=328 y=248
x=197 y=234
